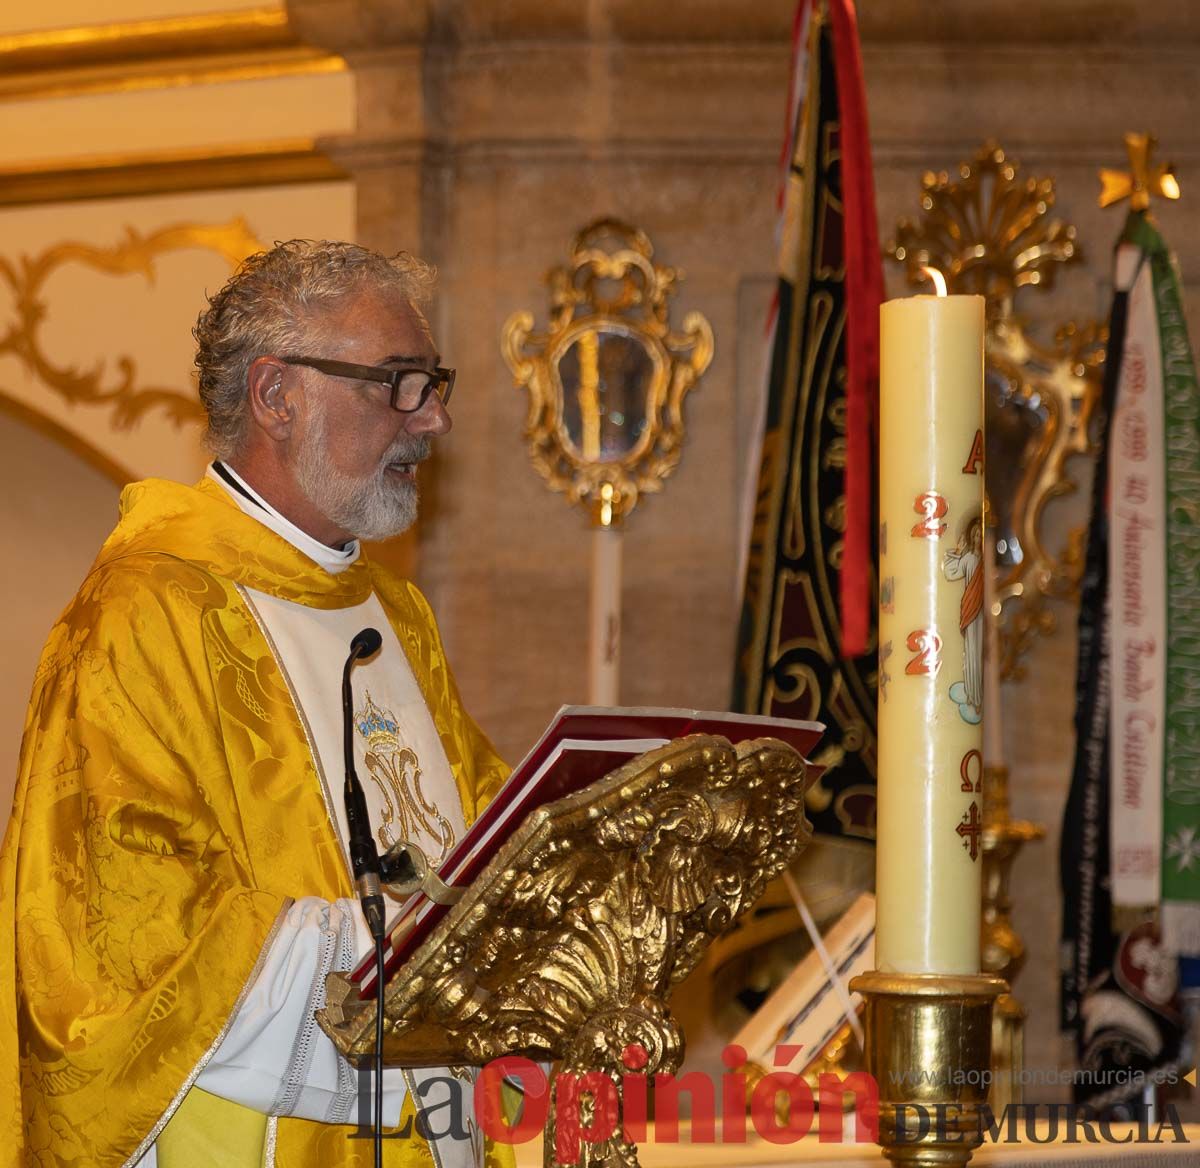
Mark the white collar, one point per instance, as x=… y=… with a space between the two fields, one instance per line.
x=333 y=560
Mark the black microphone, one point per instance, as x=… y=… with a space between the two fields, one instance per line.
x=364 y=858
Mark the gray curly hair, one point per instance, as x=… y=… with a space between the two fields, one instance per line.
x=268 y=307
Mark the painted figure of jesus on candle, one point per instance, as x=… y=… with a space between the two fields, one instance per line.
x=931 y=565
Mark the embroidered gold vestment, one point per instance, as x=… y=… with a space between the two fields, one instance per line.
x=167 y=810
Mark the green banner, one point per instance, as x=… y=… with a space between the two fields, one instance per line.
x=1181 y=778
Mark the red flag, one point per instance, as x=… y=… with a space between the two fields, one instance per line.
x=864 y=294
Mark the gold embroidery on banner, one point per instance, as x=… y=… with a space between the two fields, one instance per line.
x=188 y=1083
x=396 y=770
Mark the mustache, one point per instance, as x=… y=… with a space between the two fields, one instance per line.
x=406 y=449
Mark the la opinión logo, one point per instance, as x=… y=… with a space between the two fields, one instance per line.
x=779 y=1106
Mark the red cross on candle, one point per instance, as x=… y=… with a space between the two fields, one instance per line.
x=970 y=829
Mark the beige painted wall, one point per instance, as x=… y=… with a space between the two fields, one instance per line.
x=184 y=117
x=57 y=511
x=95 y=316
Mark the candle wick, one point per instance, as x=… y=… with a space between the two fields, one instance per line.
x=938 y=280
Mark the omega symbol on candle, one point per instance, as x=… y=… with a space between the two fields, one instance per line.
x=972 y=764
x=965 y=562
x=927 y=646
x=933 y=507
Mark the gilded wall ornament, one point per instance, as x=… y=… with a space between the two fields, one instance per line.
x=991 y=233
x=136 y=254
x=607 y=378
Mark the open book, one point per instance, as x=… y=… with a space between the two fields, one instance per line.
x=581 y=745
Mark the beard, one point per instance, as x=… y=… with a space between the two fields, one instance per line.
x=374 y=506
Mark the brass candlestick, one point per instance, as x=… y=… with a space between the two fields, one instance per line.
x=1003 y=949
x=928 y=1045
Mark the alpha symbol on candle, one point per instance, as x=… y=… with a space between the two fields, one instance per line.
x=975 y=458
x=965 y=562
x=971 y=829
x=927 y=646
x=933 y=507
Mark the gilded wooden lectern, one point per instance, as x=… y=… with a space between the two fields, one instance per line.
x=567 y=945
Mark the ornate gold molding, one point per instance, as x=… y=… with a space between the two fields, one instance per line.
x=175 y=36
x=250 y=44
x=136 y=254
x=252 y=164
x=131 y=76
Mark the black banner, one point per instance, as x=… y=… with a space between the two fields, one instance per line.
x=788 y=662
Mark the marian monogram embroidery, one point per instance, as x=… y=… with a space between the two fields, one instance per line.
x=396 y=771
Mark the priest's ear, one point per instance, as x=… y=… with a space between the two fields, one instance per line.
x=271 y=406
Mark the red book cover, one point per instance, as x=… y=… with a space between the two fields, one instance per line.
x=581 y=745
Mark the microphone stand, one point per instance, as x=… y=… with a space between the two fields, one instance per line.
x=364 y=860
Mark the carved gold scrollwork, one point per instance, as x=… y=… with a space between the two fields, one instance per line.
x=136 y=254
x=991 y=233
x=607 y=379
x=569 y=942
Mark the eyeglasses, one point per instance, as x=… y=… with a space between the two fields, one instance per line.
x=410 y=387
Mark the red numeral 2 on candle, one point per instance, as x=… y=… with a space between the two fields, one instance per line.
x=932 y=507
x=927 y=646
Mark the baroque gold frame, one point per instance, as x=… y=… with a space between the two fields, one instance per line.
x=613 y=289
x=990 y=232
x=135 y=254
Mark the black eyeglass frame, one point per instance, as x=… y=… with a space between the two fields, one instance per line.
x=438 y=376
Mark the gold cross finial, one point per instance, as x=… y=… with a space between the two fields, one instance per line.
x=1142 y=180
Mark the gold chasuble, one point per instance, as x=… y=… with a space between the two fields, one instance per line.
x=167 y=810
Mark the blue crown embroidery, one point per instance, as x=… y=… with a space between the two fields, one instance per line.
x=373 y=721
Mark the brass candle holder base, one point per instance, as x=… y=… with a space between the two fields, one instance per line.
x=928 y=1045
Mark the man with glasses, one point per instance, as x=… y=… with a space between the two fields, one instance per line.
x=176 y=876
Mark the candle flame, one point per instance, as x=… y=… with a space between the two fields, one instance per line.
x=939 y=281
